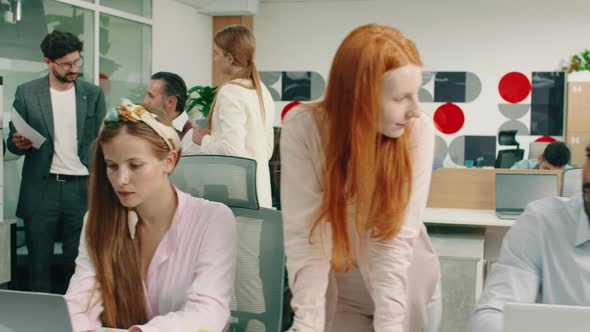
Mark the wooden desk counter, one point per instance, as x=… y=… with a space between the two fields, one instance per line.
x=469 y=188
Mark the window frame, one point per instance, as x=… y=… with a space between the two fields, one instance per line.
x=98 y=9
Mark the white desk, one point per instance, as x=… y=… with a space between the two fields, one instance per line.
x=465 y=217
x=494 y=227
x=459 y=238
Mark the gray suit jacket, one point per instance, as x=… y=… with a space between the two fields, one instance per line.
x=33 y=102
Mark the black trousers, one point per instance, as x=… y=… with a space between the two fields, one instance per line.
x=60 y=215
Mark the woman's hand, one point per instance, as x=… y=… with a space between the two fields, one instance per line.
x=199 y=133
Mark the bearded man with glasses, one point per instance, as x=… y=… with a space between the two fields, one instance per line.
x=53 y=192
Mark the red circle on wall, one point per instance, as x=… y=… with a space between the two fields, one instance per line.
x=288 y=107
x=514 y=87
x=449 y=118
x=546 y=139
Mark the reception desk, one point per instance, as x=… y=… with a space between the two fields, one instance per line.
x=470 y=188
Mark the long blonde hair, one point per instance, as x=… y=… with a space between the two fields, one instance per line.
x=363 y=167
x=238 y=41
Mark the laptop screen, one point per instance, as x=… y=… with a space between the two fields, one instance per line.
x=515 y=190
x=519 y=317
x=33 y=312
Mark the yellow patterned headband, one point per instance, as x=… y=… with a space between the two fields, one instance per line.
x=128 y=111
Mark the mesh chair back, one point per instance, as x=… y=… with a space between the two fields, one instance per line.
x=275 y=170
x=225 y=179
x=257 y=299
x=571 y=183
x=507 y=158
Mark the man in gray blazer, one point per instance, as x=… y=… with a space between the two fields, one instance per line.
x=54 y=186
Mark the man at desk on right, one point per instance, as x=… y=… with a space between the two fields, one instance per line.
x=545 y=258
x=556 y=156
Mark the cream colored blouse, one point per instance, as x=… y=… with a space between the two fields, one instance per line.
x=400 y=274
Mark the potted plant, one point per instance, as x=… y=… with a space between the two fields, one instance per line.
x=200 y=98
x=578 y=62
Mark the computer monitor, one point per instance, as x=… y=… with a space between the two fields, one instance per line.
x=33 y=312
x=519 y=317
x=515 y=190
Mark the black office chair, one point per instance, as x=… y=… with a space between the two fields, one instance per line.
x=507 y=158
x=274 y=166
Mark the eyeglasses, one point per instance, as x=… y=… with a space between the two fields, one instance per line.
x=69 y=65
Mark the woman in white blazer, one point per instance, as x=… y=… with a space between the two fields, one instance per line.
x=241 y=119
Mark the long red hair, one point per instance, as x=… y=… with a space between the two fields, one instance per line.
x=364 y=169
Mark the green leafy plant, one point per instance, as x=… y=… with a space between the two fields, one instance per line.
x=201 y=98
x=578 y=62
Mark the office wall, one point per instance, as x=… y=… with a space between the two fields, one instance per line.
x=486 y=38
x=182 y=41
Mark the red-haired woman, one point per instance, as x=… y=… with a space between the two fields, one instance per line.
x=356 y=171
x=151 y=257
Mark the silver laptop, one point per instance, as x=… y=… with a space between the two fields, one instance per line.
x=521 y=317
x=33 y=312
x=515 y=190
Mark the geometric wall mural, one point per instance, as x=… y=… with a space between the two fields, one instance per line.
x=514 y=111
x=449 y=118
x=520 y=127
x=462 y=106
x=450 y=86
x=456 y=87
x=457 y=150
x=272 y=80
x=546 y=139
x=441 y=150
x=547 y=106
x=425 y=96
x=288 y=107
x=481 y=147
x=514 y=87
x=548 y=103
x=293 y=85
x=471 y=147
x=296 y=86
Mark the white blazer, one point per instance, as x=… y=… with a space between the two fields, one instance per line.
x=237 y=129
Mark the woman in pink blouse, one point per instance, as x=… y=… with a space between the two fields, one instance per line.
x=151 y=257
x=356 y=171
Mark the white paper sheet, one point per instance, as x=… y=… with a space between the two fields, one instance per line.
x=26 y=130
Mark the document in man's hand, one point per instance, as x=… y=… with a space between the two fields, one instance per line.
x=25 y=129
